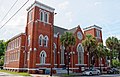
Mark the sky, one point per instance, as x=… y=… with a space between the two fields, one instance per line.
x=70 y=13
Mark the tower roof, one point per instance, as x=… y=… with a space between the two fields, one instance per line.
x=41 y=5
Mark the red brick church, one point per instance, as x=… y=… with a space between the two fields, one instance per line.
x=39 y=47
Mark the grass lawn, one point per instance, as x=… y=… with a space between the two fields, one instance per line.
x=17 y=73
x=68 y=75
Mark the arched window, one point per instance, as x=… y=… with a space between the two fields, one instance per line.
x=45 y=41
x=55 y=53
x=41 y=15
x=80 y=51
x=42 y=57
x=46 y=17
x=62 y=54
x=40 y=40
x=28 y=40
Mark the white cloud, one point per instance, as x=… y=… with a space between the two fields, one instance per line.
x=97 y=3
x=69 y=16
x=63 y=5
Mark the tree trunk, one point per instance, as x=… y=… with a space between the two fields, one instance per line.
x=100 y=66
x=119 y=56
x=89 y=59
x=68 y=64
x=68 y=58
x=65 y=57
x=111 y=59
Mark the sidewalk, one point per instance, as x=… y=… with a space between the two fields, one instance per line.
x=41 y=75
x=54 y=75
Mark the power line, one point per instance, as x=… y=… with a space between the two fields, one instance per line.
x=14 y=14
x=9 y=10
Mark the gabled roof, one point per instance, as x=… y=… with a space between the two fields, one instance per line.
x=59 y=29
x=63 y=30
x=72 y=30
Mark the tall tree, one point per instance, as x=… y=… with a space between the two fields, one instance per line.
x=90 y=45
x=67 y=40
x=2 y=48
x=111 y=43
x=118 y=49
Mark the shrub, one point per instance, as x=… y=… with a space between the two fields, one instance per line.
x=115 y=63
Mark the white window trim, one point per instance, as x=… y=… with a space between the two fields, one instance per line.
x=18 y=55
x=80 y=53
x=62 y=54
x=28 y=55
x=28 y=40
x=41 y=40
x=43 y=59
x=44 y=12
x=98 y=33
x=41 y=11
x=30 y=14
x=55 y=53
x=46 y=45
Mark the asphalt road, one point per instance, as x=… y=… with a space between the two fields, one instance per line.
x=3 y=74
x=105 y=75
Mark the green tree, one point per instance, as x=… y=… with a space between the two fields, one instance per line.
x=90 y=45
x=1 y=60
x=2 y=48
x=68 y=40
x=118 y=49
x=111 y=43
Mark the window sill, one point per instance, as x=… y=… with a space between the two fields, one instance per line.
x=55 y=64
x=43 y=22
x=43 y=64
x=45 y=46
x=81 y=64
x=62 y=64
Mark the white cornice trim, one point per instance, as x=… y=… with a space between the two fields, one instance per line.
x=91 y=27
x=42 y=6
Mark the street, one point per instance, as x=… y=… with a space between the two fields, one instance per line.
x=105 y=75
x=2 y=74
